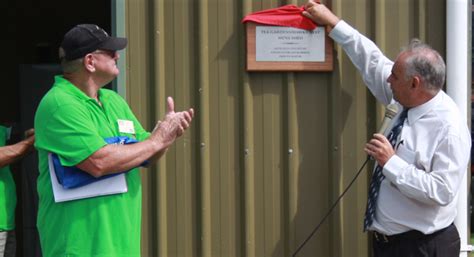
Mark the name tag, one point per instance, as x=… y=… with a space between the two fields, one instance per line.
x=126 y=126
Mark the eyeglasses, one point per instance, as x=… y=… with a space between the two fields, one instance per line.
x=109 y=53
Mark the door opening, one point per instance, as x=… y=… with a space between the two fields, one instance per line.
x=33 y=30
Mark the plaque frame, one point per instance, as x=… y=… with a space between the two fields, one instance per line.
x=253 y=65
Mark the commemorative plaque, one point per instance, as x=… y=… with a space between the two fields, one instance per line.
x=277 y=48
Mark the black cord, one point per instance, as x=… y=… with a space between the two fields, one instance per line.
x=331 y=209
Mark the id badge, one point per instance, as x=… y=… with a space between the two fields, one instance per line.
x=126 y=126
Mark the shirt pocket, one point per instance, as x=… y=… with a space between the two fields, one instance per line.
x=406 y=154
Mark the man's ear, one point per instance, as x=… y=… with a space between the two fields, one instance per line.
x=415 y=82
x=89 y=63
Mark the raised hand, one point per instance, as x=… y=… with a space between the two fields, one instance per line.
x=173 y=125
x=320 y=14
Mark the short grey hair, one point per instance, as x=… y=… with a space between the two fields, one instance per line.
x=425 y=62
x=69 y=66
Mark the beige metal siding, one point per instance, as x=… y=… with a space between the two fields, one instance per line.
x=268 y=153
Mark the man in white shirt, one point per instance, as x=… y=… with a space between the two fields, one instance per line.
x=418 y=191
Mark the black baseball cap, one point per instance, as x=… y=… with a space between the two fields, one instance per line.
x=86 y=38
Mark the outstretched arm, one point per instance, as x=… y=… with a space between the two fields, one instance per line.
x=12 y=153
x=372 y=64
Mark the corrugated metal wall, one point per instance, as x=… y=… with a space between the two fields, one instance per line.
x=268 y=153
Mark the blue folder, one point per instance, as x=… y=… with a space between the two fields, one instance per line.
x=72 y=177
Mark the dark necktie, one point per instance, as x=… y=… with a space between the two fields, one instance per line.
x=378 y=177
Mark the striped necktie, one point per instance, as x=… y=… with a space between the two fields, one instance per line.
x=378 y=177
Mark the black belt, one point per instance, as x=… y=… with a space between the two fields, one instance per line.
x=409 y=235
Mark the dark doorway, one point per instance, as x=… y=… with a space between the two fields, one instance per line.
x=31 y=33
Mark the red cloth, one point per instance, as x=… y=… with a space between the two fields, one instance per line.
x=287 y=16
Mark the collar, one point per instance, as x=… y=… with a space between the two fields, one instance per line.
x=417 y=112
x=66 y=85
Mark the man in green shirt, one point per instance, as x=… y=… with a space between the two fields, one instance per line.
x=72 y=121
x=8 y=155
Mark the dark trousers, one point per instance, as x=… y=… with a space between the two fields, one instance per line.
x=442 y=243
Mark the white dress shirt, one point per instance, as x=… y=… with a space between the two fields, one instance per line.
x=421 y=182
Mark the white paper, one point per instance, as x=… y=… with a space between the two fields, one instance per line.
x=113 y=185
x=285 y=44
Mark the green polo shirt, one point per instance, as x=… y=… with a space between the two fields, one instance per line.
x=73 y=125
x=7 y=192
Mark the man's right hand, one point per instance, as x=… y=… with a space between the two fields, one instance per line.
x=320 y=14
x=173 y=125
